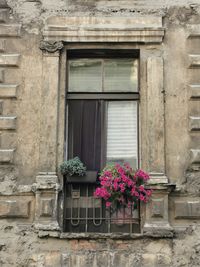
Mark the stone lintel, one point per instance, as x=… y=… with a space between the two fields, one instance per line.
x=147 y=29
x=9 y=60
x=187 y=209
x=194 y=90
x=7 y=123
x=194 y=123
x=6 y=155
x=10 y=30
x=194 y=61
x=14 y=209
x=8 y=90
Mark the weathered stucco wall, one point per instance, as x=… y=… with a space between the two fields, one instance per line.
x=24 y=107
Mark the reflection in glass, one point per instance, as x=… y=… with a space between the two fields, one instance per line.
x=121 y=75
x=85 y=75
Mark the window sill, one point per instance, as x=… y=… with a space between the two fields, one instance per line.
x=96 y=236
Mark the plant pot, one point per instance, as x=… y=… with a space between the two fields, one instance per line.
x=89 y=178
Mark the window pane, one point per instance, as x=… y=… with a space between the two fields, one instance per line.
x=122 y=132
x=121 y=75
x=85 y=75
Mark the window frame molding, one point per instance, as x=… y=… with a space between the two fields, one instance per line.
x=145 y=33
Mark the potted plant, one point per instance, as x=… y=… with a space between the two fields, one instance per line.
x=121 y=186
x=75 y=172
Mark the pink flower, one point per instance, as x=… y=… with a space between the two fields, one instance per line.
x=108 y=204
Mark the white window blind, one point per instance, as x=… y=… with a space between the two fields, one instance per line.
x=122 y=133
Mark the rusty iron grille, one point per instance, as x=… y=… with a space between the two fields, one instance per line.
x=85 y=213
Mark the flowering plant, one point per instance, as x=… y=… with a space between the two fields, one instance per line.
x=120 y=185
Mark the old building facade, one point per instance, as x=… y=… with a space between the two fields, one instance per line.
x=35 y=39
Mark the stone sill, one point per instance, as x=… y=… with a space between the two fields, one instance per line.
x=96 y=236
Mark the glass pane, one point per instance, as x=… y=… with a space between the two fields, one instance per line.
x=122 y=133
x=85 y=75
x=121 y=75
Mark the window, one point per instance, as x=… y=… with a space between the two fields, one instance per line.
x=102 y=112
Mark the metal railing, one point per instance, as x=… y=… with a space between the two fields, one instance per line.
x=85 y=213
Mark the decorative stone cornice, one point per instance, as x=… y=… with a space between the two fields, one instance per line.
x=140 y=29
x=51 y=46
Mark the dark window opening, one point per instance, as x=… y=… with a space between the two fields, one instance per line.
x=102 y=115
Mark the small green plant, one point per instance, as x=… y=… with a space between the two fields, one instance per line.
x=73 y=167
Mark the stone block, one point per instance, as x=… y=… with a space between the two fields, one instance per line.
x=146 y=29
x=157 y=208
x=149 y=260
x=8 y=90
x=2 y=45
x=163 y=260
x=195 y=156
x=6 y=155
x=1 y=75
x=7 y=123
x=1 y=107
x=46 y=207
x=194 y=61
x=9 y=60
x=3 y=3
x=4 y=13
x=14 y=209
x=195 y=90
x=53 y=259
x=188 y=209
x=11 y=30
x=194 y=123
x=65 y=260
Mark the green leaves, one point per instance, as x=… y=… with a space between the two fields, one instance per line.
x=73 y=167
